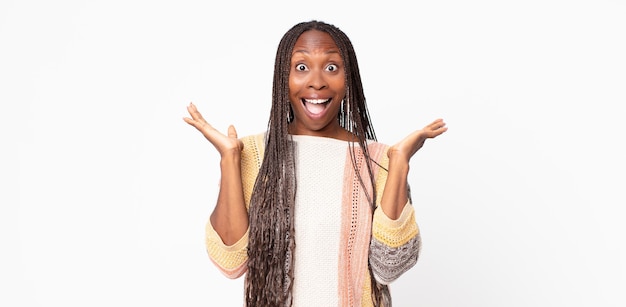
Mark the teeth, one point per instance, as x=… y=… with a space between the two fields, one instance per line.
x=315 y=106
x=316 y=101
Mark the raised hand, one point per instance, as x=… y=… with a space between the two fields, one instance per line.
x=406 y=148
x=225 y=144
x=395 y=194
x=230 y=217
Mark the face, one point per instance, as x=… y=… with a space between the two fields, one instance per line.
x=317 y=85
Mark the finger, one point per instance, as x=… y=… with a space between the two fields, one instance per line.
x=202 y=126
x=436 y=125
x=199 y=122
x=437 y=132
x=195 y=114
x=442 y=125
x=232 y=133
x=191 y=122
x=440 y=131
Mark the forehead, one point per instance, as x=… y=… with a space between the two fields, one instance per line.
x=315 y=40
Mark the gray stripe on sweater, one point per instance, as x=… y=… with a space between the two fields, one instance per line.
x=389 y=263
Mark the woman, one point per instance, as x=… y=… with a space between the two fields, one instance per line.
x=314 y=210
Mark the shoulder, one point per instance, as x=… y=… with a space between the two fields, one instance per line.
x=256 y=136
x=253 y=149
x=377 y=148
x=253 y=141
x=251 y=160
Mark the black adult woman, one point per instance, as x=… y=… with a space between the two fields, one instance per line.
x=300 y=208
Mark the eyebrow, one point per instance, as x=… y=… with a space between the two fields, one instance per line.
x=307 y=52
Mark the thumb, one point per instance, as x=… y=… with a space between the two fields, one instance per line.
x=232 y=132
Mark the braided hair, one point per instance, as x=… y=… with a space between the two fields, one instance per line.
x=271 y=243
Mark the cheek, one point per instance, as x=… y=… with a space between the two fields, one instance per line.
x=340 y=87
x=338 y=81
x=291 y=92
x=294 y=86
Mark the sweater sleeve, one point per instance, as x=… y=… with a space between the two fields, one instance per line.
x=395 y=244
x=232 y=260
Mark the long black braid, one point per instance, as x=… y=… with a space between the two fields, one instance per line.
x=271 y=237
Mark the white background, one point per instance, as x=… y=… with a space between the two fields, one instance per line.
x=105 y=190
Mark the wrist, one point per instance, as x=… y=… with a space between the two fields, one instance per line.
x=398 y=162
x=232 y=158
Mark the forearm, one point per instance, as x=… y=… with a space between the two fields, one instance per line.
x=395 y=243
x=395 y=193
x=230 y=216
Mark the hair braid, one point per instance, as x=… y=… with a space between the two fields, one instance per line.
x=271 y=238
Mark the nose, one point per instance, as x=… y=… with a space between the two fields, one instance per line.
x=317 y=80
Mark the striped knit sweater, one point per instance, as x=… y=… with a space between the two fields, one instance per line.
x=334 y=230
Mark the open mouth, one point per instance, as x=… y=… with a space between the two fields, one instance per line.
x=315 y=106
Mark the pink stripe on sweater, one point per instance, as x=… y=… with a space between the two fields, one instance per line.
x=356 y=226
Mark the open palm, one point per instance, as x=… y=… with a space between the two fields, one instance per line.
x=224 y=143
x=414 y=141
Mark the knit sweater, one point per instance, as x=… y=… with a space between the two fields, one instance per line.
x=335 y=233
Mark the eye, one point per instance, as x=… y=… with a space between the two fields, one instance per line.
x=332 y=67
x=301 y=67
